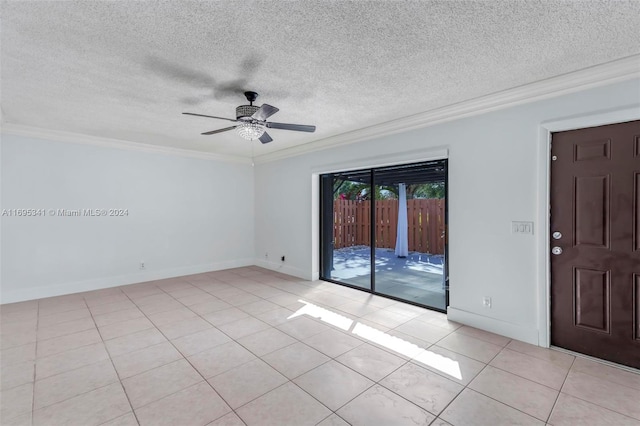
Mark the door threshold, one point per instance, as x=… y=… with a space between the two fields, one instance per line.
x=599 y=360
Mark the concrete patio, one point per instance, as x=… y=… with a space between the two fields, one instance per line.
x=416 y=278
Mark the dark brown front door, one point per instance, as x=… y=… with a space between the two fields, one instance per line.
x=595 y=223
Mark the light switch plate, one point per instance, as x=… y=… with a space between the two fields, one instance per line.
x=522 y=228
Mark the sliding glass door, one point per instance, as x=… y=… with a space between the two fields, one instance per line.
x=410 y=223
x=347 y=229
x=383 y=230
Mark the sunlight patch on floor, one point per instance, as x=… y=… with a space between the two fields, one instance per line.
x=324 y=315
x=441 y=363
x=448 y=366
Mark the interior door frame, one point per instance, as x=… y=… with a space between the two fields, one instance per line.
x=544 y=204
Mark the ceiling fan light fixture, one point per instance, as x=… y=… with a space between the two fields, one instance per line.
x=250 y=131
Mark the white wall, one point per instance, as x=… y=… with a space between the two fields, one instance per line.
x=494 y=164
x=190 y=215
x=185 y=216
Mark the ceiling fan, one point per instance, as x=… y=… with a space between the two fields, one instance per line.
x=252 y=122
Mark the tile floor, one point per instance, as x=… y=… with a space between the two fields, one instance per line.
x=250 y=346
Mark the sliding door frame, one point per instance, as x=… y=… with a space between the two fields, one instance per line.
x=324 y=230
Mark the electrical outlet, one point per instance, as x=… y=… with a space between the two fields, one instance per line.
x=282 y=258
x=486 y=302
x=142 y=265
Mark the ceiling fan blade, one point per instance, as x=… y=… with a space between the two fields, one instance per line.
x=264 y=112
x=213 y=132
x=296 y=127
x=265 y=138
x=209 y=116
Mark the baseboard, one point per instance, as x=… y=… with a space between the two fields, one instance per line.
x=503 y=328
x=115 y=281
x=284 y=268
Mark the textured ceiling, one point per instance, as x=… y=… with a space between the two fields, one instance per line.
x=126 y=70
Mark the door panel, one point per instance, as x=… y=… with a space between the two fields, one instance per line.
x=592 y=211
x=636 y=209
x=597 y=150
x=595 y=192
x=592 y=290
x=636 y=305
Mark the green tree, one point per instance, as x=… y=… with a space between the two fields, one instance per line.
x=361 y=191
x=429 y=190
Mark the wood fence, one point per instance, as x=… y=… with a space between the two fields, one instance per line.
x=425 y=219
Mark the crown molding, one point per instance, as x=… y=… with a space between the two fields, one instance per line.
x=70 y=137
x=596 y=76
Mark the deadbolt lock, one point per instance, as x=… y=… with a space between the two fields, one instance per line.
x=556 y=235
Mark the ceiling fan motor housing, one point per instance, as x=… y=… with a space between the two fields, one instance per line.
x=245 y=111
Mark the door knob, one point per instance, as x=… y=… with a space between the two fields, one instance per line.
x=556 y=250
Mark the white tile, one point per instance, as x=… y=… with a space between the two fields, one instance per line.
x=570 y=411
x=422 y=330
x=264 y=342
x=195 y=405
x=607 y=394
x=333 y=420
x=225 y=316
x=607 y=372
x=496 y=339
x=18 y=354
x=379 y=406
x=387 y=318
x=527 y=396
x=285 y=405
x=295 y=359
x=243 y=327
x=64 y=328
x=302 y=327
x=532 y=368
x=332 y=342
x=200 y=341
x=449 y=364
x=230 y=419
x=333 y=384
x=70 y=360
x=65 y=343
x=16 y=375
x=123 y=328
x=148 y=358
x=128 y=419
x=133 y=342
x=72 y=383
x=160 y=382
x=117 y=316
x=16 y=402
x=172 y=316
x=422 y=387
x=247 y=382
x=173 y=330
x=221 y=358
x=551 y=355
x=472 y=408
x=92 y=408
x=470 y=346
x=371 y=361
